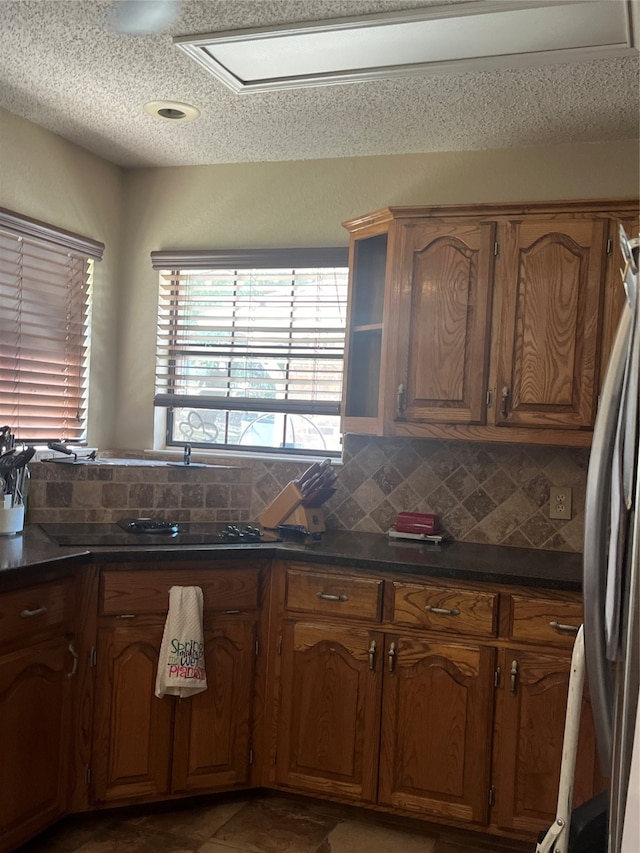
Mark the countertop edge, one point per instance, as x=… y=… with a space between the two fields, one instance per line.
x=359 y=551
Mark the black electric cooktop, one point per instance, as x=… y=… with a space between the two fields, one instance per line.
x=151 y=531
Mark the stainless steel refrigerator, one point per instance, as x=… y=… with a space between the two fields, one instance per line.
x=611 y=561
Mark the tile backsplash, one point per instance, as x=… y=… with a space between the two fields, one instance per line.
x=485 y=493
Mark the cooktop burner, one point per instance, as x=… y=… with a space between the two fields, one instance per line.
x=153 y=531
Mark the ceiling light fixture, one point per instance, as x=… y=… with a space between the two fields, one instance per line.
x=171 y=111
x=461 y=37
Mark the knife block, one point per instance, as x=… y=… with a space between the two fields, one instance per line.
x=287 y=508
x=281 y=507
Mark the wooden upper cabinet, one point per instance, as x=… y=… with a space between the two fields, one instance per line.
x=482 y=322
x=550 y=275
x=444 y=308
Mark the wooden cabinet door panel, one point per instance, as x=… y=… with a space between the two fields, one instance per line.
x=445 y=305
x=134 y=728
x=35 y=698
x=530 y=721
x=436 y=728
x=212 y=734
x=330 y=711
x=551 y=283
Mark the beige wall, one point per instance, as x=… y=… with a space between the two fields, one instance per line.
x=303 y=203
x=246 y=205
x=47 y=178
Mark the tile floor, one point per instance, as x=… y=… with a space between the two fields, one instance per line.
x=268 y=823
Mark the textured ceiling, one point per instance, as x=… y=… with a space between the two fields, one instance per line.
x=62 y=66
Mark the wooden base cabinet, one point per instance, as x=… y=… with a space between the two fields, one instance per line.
x=439 y=700
x=36 y=682
x=147 y=748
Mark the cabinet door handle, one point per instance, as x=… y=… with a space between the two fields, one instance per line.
x=400 y=400
x=514 y=677
x=75 y=656
x=37 y=612
x=504 y=408
x=372 y=656
x=327 y=596
x=569 y=629
x=442 y=611
x=392 y=657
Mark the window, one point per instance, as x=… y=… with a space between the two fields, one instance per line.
x=45 y=285
x=250 y=348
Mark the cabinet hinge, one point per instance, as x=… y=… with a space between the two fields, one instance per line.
x=496 y=249
x=87 y=774
x=489 y=398
x=250 y=755
x=279 y=645
x=497 y=675
x=609 y=246
x=93 y=656
x=257 y=647
x=492 y=796
x=275 y=755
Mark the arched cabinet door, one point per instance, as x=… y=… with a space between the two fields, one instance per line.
x=35 y=694
x=330 y=712
x=530 y=716
x=551 y=279
x=133 y=728
x=213 y=728
x=445 y=284
x=436 y=728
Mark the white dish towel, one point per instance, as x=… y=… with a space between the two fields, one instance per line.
x=181 y=669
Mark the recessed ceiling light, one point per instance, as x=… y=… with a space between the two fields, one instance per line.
x=443 y=39
x=171 y=111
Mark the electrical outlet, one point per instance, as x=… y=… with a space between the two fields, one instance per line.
x=560 y=499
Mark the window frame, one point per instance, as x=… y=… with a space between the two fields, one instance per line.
x=250 y=259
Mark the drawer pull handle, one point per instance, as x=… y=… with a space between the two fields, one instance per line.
x=514 y=677
x=126 y=616
x=231 y=612
x=442 y=611
x=37 y=612
x=392 y=656
x=372 y=656
x=75 y=656
x=327 y=596
x=569 y=629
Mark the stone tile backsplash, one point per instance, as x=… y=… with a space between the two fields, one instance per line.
x=485 y=493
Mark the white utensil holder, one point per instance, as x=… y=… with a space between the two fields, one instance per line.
x=11 y=520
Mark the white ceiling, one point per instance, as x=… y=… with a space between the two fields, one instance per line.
x=62 y=66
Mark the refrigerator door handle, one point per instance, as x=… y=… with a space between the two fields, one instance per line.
x=596 y=537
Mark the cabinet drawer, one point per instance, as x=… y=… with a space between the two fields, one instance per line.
x=136 y=592
x=437 y=608
x=546 y=620
x=334 y=595
x=36 y=609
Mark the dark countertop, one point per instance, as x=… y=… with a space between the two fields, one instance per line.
x=456 y=560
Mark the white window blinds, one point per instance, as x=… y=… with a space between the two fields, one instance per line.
x=45 y=283
x=251 y=332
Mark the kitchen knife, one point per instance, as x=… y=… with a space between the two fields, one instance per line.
x=306 y=475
